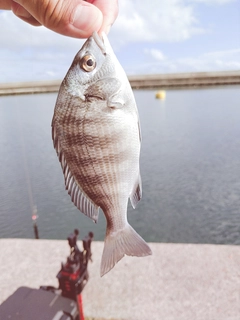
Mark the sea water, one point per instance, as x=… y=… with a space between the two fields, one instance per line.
x=190 y=168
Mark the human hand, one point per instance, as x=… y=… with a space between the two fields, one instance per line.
x=73 y=18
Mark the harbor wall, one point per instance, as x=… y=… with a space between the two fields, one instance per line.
x=152 y=81
x=179 y=281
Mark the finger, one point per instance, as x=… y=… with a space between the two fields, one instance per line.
x=23 y=14
x=75 y=18
x=109 y=9
x=5 y=4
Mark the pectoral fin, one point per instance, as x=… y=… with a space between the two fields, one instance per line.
x=115 y=102
x=107 y=89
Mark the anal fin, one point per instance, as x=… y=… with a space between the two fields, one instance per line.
x=136 y=194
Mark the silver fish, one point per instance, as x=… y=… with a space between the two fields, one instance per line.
x=97 y=137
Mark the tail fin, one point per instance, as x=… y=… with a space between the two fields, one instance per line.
x=126 y=241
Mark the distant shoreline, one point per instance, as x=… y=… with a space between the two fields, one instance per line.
x=151 y=81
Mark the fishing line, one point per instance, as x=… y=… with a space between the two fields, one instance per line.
x=33 y=207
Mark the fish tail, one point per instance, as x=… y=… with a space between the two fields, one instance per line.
x=117 y=244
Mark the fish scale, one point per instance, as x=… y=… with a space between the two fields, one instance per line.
x=97 y=178
x=97 y=137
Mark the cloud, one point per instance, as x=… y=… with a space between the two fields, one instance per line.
x=223 y=54
x=154 y=21
x=210 y=61
x=36 y=53
x=138 y=21
x=155 y=53
x=18 y=35
x=212 y=2
x=29 y=53
x=33 y=53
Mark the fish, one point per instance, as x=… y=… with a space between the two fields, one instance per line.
x=97 y=137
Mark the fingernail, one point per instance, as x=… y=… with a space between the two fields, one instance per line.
x=86 y=17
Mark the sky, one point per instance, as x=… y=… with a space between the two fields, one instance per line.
x=148 y=37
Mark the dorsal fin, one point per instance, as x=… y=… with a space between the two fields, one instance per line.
x=78 y=197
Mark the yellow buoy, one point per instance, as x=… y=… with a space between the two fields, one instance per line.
x=161 y=94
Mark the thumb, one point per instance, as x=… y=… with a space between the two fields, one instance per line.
x=74 y=18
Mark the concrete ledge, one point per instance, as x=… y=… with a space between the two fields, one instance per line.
x=151 y=81
x=29 y=87
x=185 y=80
x=179 y=282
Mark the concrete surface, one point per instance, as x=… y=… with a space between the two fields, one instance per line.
x=178 y=282
x=150 y=81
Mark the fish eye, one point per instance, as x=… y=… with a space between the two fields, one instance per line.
x=88 y=63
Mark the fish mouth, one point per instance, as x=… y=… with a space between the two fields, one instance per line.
x=99 y=42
